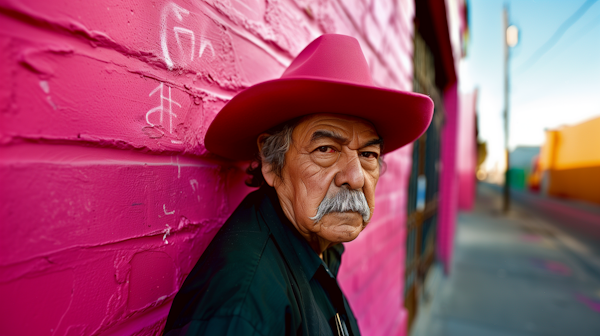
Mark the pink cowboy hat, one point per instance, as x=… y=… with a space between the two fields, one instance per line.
x=330 y=75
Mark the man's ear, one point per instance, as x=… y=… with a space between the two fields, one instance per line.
x=266 y=168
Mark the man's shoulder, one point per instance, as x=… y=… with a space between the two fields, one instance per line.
x=243 y=235
x=240 y=275
x=240 y=241
x=253 y=285
x=241 y=279
x=246 y=217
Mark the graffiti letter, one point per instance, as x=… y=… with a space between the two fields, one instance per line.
x=203 y=44
x=161 y=107
x=179 y=30
x=171 y=7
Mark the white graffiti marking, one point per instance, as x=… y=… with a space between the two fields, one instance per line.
x=194 y=184
x=167 y=212
x=161 y=108
x=45 y=86
x=179 y=30
x=179 y=12
x=175 y=9
x=167 y=232
x=203 y=46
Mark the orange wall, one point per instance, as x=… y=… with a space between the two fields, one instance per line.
x=577 y=183
x=570 y=158
x=572 y=146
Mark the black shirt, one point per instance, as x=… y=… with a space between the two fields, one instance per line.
x=259 y=276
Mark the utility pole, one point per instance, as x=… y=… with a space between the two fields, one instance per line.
x=511 y=38
x=506 y=190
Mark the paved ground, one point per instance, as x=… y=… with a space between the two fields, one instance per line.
x=533 y=272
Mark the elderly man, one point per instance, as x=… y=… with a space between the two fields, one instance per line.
x=317 y=135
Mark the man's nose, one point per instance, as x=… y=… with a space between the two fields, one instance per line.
x=351 y=172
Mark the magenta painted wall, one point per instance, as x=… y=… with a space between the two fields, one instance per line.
x=467 y=151
x=108 y=195
x=448 y=205
x=452 y=148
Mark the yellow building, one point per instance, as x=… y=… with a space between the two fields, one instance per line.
x=569 y=164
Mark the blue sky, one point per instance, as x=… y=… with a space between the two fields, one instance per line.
x=562 y=87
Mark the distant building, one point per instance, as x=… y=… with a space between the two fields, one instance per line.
x=521 y=161
x=569 y=164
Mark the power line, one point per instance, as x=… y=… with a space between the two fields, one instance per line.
x=557 y=35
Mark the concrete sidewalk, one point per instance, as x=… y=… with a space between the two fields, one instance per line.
x=512 y=275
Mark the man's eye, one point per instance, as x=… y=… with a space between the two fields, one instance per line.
x=369 y=155
x=325 y=149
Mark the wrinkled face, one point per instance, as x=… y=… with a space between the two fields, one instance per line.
x=329 y=152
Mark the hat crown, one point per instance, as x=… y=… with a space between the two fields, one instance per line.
x=332 y=57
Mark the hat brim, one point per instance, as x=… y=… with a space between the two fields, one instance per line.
x=399 y=117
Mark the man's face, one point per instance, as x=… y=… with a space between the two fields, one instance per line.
x=329 y=152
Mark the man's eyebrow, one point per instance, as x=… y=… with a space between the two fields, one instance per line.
x=374 y=142
x=320 y=134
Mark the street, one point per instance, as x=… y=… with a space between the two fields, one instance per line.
x=533 y=272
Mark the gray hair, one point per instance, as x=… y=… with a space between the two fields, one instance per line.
x=273 y=150
x=274 y=147
x=345 y=200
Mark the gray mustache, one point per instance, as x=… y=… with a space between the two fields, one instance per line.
x=345 y=200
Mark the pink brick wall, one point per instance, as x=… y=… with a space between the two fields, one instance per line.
x=108 y=195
